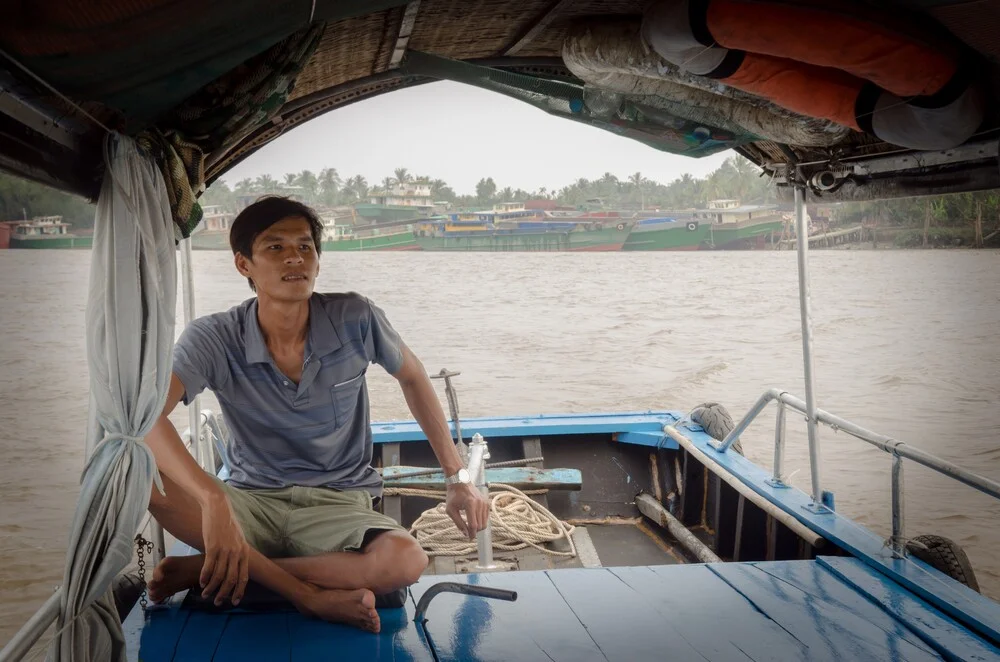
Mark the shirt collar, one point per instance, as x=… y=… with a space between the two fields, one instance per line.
x=322 y=339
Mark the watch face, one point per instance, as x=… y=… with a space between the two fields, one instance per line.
x=463 y=475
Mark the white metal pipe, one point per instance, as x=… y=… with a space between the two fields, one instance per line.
x=805 y=316
x=194 y=409
x=898 y=540
x=779 y=444
x=478 y=454
x=881 y=441
x=31 y=632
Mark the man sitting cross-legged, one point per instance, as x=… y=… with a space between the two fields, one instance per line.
x=288 y=368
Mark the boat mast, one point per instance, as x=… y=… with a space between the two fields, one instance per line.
x=805 y=316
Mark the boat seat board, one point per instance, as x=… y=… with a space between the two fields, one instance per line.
x=523 y=478
x=832 y=608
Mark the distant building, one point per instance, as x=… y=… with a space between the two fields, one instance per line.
x=411 y=194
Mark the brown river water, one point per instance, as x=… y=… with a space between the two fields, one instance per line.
x=905 y=344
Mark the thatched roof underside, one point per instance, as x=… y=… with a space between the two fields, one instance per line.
x=131 y=63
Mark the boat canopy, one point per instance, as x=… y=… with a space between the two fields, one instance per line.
x=878 y=99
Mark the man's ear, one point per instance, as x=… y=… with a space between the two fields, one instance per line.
x=240 y=261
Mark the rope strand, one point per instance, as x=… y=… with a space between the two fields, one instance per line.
x=517 y=522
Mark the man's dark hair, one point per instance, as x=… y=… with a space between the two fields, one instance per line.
x=264 y=213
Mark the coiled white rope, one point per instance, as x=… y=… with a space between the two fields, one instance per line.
x=516 y=519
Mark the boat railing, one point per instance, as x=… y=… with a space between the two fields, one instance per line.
x=898 y=449
x=207 y=449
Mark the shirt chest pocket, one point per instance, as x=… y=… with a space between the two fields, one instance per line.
x=346 y=398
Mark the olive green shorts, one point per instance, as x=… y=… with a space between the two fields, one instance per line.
x=305 y=521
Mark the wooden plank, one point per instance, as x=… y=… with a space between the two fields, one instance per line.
x=693 y=493
x=254 y=637
x=618 y=618
x=201 y=637
x=753 y=542
x=727 y=501
x=523 y=478
x=532 y=447
x=740 y=517
x=830 y=629
x=163 y=629
x=939 y=631
x=691 y=596
x=538 y=627
x=392 y=506
x=980 y=612
x=654 y=439
x=312 y=640
x=532 y=426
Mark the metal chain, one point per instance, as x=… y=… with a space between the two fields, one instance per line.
x=143 y=547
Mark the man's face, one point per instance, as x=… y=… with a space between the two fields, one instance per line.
x=285 y=263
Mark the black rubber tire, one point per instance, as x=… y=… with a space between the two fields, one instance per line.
x=946 y=556
x=716 y=421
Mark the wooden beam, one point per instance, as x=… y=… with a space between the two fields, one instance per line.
x=523 y=478
x=535 y=28
x=405 y=30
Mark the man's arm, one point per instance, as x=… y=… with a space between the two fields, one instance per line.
x=226 y=550
x=424 y=405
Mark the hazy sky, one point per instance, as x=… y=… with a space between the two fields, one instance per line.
x=461 y=133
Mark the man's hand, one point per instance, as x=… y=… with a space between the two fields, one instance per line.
x=464 y=497
x=227 y=554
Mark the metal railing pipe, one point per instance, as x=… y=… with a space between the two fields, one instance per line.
x=805 y=315
x=33 y=629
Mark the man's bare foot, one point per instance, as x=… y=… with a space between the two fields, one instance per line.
x=173 y=574
x=355 y=607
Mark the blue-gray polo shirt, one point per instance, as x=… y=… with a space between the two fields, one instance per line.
x=316 y=433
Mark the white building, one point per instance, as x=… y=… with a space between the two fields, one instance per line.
x=411 y=194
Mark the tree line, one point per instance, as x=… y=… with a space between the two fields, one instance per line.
x=735 y=178
x=970 y=219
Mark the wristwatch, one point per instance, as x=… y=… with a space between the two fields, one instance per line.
x=461 y=476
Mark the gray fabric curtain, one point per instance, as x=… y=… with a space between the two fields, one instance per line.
x=130 y=333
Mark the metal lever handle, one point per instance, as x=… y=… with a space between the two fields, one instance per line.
x=455 y=587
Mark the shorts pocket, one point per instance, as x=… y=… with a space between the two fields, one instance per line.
x=346 y=396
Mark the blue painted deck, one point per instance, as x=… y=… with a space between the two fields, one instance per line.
x=871 y=607
x=834 y=609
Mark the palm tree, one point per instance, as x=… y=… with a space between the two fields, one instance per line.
x=265 y=184
x=307 y=180
x=357 y=186
x=637 y=181
x=402 y=175
x=244 y=186
x=507 y=194
x=290 y=178
x=387 y=183
x=329 y=185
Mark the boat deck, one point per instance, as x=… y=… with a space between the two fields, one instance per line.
x=831 y=608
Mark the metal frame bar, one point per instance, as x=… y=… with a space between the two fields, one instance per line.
x=32 y=631
x=478 y=454
x=805 y=315
x=898 y=449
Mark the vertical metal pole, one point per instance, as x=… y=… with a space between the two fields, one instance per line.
x=805 y=315
x=779 y=447
x=159 y=544
x=478 y=454
x=898 y=540
x=194 y=409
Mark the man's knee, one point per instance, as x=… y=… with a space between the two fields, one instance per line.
x=403 y=555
